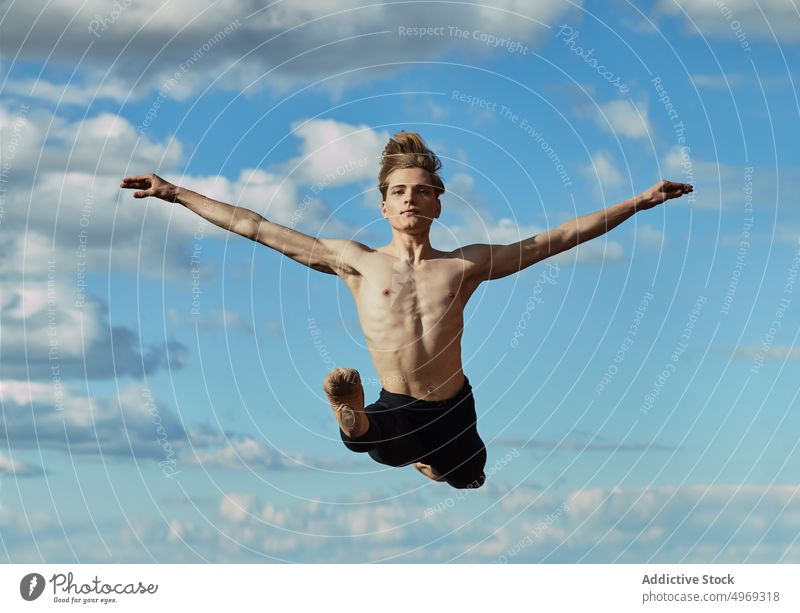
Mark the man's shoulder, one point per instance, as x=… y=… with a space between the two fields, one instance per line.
x=470 y=260
x=346 y=244
x=468 y=253
x=345 y=256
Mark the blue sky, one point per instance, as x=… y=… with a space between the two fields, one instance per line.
x=161 y=379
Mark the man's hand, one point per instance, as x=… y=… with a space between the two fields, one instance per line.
x=151 y=185
x=659 y=193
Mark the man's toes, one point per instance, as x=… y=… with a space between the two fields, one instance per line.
x=429 y=471
x=346 y=396
x=342 y=381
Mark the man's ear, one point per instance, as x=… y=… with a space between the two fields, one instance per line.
x=383 y=208
x=438 y=207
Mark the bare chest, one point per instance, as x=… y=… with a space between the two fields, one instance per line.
x=397 y=294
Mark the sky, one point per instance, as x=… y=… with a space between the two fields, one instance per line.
x=161 y=379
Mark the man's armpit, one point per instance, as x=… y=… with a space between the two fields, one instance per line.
x=478 y=260
x=348 y=257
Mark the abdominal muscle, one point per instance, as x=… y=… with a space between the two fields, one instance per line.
x=413 y=325
x=423 y=370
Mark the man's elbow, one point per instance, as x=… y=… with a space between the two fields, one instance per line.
x=566 y=237
x=249 y=226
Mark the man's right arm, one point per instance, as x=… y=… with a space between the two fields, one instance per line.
x=327 y=255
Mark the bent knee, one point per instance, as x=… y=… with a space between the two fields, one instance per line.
x=462 y=484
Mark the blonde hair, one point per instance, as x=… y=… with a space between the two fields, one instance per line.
x=408 y=150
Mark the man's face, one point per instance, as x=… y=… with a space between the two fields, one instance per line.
x=411 y=203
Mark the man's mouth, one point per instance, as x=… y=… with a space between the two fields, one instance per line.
x=410 y=212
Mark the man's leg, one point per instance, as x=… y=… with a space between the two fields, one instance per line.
x=346 y=395
x=461 y=460
x=377 y=429
x=429 y=471
x=457 y=453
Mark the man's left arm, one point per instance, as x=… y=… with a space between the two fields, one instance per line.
x=497 y=261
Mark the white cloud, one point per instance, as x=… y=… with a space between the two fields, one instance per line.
x=104 y=144
x=76 y=189
x=775 y=352
x=603 y=175
x=666 y=524
x=721 y=81
x=76 y=93
x=649 y=236
x=245 y=453
x=64 y=181
x=788 y=235
x=723 y=516
x=333 y=153
x=135 y=425
x=622 y=117
x=50 y=331
x=591 y=252
x=71 y=219
x=662 y=524
x=272 y=47
x=18 y=468
x=236 y=507
x=224 y=318
x=461 y=183
x=721 y=186
x=436 y=111
x=477 y=230
x=230 y=318
x=459 y=193
x=639 y=24
x=49 y=416
x=765 y=19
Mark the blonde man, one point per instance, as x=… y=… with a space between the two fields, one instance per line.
x=410 y=298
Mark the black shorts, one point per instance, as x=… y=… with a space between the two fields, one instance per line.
x=441 y=433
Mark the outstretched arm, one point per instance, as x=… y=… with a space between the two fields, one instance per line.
x=327 y=255
x=496 y=261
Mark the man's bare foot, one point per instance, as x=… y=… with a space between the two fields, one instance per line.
x=346 y=395
x=429 y=471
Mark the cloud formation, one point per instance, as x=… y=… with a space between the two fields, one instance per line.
x=128 y=50
x=135 y=425
x=18 y=468
x=667 y=524
x=737 y=21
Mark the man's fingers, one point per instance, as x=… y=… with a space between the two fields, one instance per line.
x=673 y=190
x=140 y=194
x=667 y=190
x=673 y=184
x=134 y=182
x=679 y=189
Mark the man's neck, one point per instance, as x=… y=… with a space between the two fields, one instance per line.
x=411 y=248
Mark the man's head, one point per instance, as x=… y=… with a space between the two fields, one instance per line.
x=409 y=183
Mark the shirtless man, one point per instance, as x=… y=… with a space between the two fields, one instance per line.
x=410 y=298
